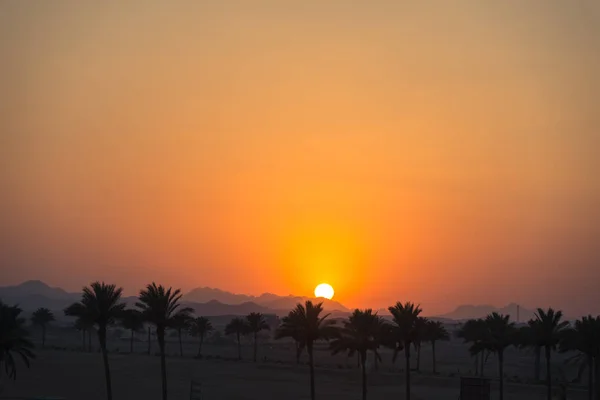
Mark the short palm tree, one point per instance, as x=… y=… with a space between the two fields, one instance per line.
x=42 y=317
x=500 y=334
x=527 y=337
x=288 y=329
x=14 y=340
x=583 y=337
x=132 y=321
x=434 y=332
x=308 y=326
x=199 y=327
x=159 y=306
x=421 y=331
x=181 y=322
x=84 y=326
x=550 y=328
x=256 y=323
x=237 y=327
x=360 y=334
x=405 y=331
x=100 y=304
x=474 y=331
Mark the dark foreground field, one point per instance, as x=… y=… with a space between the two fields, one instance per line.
x=78 y=376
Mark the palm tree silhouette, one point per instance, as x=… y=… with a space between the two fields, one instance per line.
x=584 y=338
x=42 y=317
x=199 y=327
x=434 y=331
x=475 y=331
x=238 y=327
x=360 y=335
x=548 y=335
x=132 y=320
x=100 y=305
x=420 y=328
x=181 y=322
x=159 y=306
x=256 y=322
x=82 y=325
x=14 y=340
x=305 y=321
x=500 y=335
x=527 y=337
x=405 y=332
x=288 y=329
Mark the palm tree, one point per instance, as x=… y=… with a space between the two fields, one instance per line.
x=42 y=317
x=420 y=329
x=583 y=338
x=527 y=337
x=238 y=327
x=14 y=340
x=474 y=331
x=256 y=322
x=159 y=307
x=200 y=326
x=100 y=304
x=83 y=326
x=181 y=322
x=288 y=329
x=132 y=320
x=307 y=324
x=360 y=334
x=434 y=332
x=500 y=335
x=548 y=334
x=405 y=331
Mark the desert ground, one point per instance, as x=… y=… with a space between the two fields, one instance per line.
x=66 y=371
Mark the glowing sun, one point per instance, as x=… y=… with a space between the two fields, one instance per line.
x=324 y=290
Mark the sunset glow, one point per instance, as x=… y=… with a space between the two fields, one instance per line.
x=324 y=290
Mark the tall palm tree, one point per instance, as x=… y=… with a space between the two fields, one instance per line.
x=305 y=321
x=237 y=327
x=132 y=320
x=434 y=332
x=583 y=337
x=199 y=327
x=360 y=334
x=159 y=306
x=181 y=322
x=42 y=317
x=100 y=304
x=256 y=322
x=14 y=340
x=405 y=331
x=500 y=335
x=548 y=334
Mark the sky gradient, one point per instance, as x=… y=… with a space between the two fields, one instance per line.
x=439 y=152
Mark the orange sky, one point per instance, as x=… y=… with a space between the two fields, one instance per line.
x=443 y=153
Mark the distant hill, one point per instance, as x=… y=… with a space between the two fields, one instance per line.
x=469 y=311
x=31 y=295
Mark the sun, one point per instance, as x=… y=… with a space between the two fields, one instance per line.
x=324 y=290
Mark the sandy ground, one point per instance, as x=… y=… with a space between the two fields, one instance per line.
x=77 y=376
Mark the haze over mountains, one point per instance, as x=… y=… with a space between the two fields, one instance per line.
x=207 y=301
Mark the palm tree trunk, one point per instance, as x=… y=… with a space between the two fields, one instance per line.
x=43 y=336
x=200 y=345
x=537 y=366
x=482 y=363
x=131 y=343
x=376 y=360
x=591 y=377
x=407 y=356
x=548 y=374
x=255 y=347
x=501 y=371
x=311 y=365
x=364 y=375
x=180 y=343
x=160 y=334
x=597 y=377
x=90 y=340
x=83 y=340
x=477 y=364
x=102 y=340
x=149 y=341
x=433 y=355
x=239 y=347
x=419 y=357
x=297 y=352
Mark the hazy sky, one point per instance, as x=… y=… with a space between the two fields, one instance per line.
x=443 y=152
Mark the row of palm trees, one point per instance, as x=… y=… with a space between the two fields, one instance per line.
x=363 y=332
